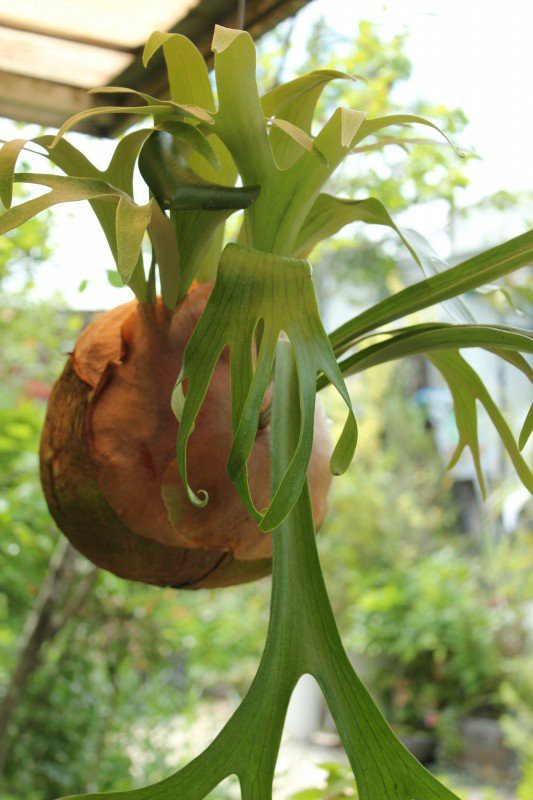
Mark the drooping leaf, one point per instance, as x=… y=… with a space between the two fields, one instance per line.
x=131 y=220
x=118 y=174
x=419 y=339
x=404 y=142
x=436 y=338
x=467 y=388
x=251 y=287
x=143 y=111
x=183 y=109
x=372 y=126
x=63 y=190
x=476 y=271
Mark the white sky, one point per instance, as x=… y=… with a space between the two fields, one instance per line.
x=475 y=54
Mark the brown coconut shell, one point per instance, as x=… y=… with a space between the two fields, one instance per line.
x=108 y=457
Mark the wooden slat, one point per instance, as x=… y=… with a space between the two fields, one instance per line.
x=47 y=103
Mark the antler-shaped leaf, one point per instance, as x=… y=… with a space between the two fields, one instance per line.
x=467 y=388
x=477 y=271
x=239 y=120
x=295 y=102
x=260 y=291
x=439 y=342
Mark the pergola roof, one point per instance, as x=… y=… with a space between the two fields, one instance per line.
x=52 y=52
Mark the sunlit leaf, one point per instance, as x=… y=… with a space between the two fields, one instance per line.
x=240 y=120
x=372 y=126
x=295 y=102
x=298 y=136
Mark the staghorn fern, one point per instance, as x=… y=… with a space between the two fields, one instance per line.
x=190 y=159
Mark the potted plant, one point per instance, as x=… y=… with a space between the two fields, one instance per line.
x=235 y=349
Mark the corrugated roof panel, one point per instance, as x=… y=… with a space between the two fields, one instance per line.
x=122 y=23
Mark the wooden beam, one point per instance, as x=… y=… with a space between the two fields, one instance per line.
x=48 y=103
x=77 y=38
x=34 y=100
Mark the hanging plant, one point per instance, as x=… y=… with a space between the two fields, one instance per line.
x=183 y=444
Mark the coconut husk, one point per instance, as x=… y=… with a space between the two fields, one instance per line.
x=108 y=457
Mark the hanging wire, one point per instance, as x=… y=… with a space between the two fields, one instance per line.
x=241 y=14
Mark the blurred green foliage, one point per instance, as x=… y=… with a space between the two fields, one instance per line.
x=517 y=696
x=135 y=656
